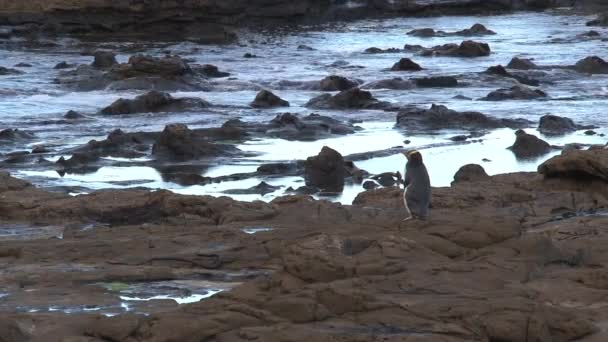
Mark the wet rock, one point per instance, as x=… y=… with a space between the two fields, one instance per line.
x=154 y=101
x=406 y=64
x=78 y=162
x=592 y=65
x=104 y=59
x=521 y=64
x=277 y=168
x=556 y=125
x=467 y=48
x=14 y=134
x=475 y=30
x=461 y=97
x=120 y=144
x=73 y=115
x=142 y=65
x=423 y=32
x=601 y=20
x=375 y=50
x=178 y=142
x=23 y=65
x=325 y=171
x=347 y=99
x=392 y=83
x=440 y=117
x=8 y=71
x=413 y=48
x=517 y=92
x=590 y=132
x=249 y=55
x=63 y=65
x=499 y=70
x=40 y=149
x=266 y=99
x=261 y=189
x=436 y=82
x=303 y=190
x=580 y=165
x=336 y=83
x=457 y=138
x=212 y=71
x=470 y=173
x=529 y=146
x=305 y=48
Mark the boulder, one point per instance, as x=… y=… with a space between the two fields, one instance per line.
x=592 y=65
x=104 y=59
x=325 y=171
x=211 y=71
x=529 y=146
x=578 y=164
x=470 y=173
x=336 y=83
x=178 y=142
x=517 y=92
x=406 y=64
x=521 y=64
x=440 y=117
x=351 y=98
x=266 y=99
x=396 y=83
x=556 y=125
x=467 y=48
x=436 y=82
x=499 y=70
x=154 y=102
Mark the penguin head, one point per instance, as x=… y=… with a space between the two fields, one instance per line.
x=414 y=157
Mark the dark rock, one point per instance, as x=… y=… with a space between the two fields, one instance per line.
x=440 y=117
x=266 y=99
x=436 y=82
x=73 y=115
x=351 y=98
x=8 y=71
x=261 y=189
x=277 y=168
x=121 y=144
x=40 y=149
x=406 y=64
x=413 y=48
x=152 y=102
x=142 y=65
x=23 y=65
x=555 y=125
x=459 y=138
x=305 y=48
x=14 y=134
x=336 y=83
x=426 y=32
x=592 y=65
x=475 y=30
x=578 y=165
x=375 y=50
x=78 y=160
x=529 y=146
x=212 y=71
x=590 y=132
x=499 y=70
x=249 y=55
x=601 y=20
x=63 y=65
x=313 y=126
x=461 y=97
x=178 y=142
x=470 y=173
x=370 y=185
x=467 y=48
x=521 y=64
x=325 y=171
x=104 y=59
x=393 y=83
x=517 y=92
x=303 y=190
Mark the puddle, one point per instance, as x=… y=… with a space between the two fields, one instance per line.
x=27 y=232
x=256 y=230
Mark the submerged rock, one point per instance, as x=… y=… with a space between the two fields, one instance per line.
x=153 y=102
x=592 y=65
x=347 y=99
x=261 y=189
x=517 y=92
x=440 y=117
x=529 y=146
x=325 y=171
x=467 y=48
x=336 y=83
x=406 y=64
x=266 y=99
x=436 y=82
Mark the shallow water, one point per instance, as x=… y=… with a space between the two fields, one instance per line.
x=32 y=102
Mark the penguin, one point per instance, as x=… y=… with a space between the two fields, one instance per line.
x=417 y=193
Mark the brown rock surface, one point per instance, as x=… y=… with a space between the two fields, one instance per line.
x=503 y=258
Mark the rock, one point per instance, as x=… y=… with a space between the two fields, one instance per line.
x=142 y=65
x=406 y=64
x=212 y=71
x=336 y=83
x=14 y=134
x=601 y=20
x=440 y=117
x=40 y=149
x=178 y=142
x=261 y=189
x=347 y=99
x=392 y=83
x=104 y=59
x=249 y=55
x=266 y=99
x=305 y=48
x=23 y=65
x=521 y=64
x=517 y=92
x=63 y=65
x=277 y=168
x=529 y=146
x=325 y=171
x=556 y=125
x=592 y=65
x=499 y=70
x=462 y=97
x=153 y=102
x=470 y=173
x=8 y=71
x=457 y=138
x=73 y=115
x=475 y=30
x=590 y=132
x=580 y=165
x=423 y=32
x=467 y=48
x=413 y=48
x=436 y=82
x=375 y=50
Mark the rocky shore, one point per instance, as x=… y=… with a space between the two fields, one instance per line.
x=511 y=257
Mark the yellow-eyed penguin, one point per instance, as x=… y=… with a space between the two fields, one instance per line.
x=417 y=193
